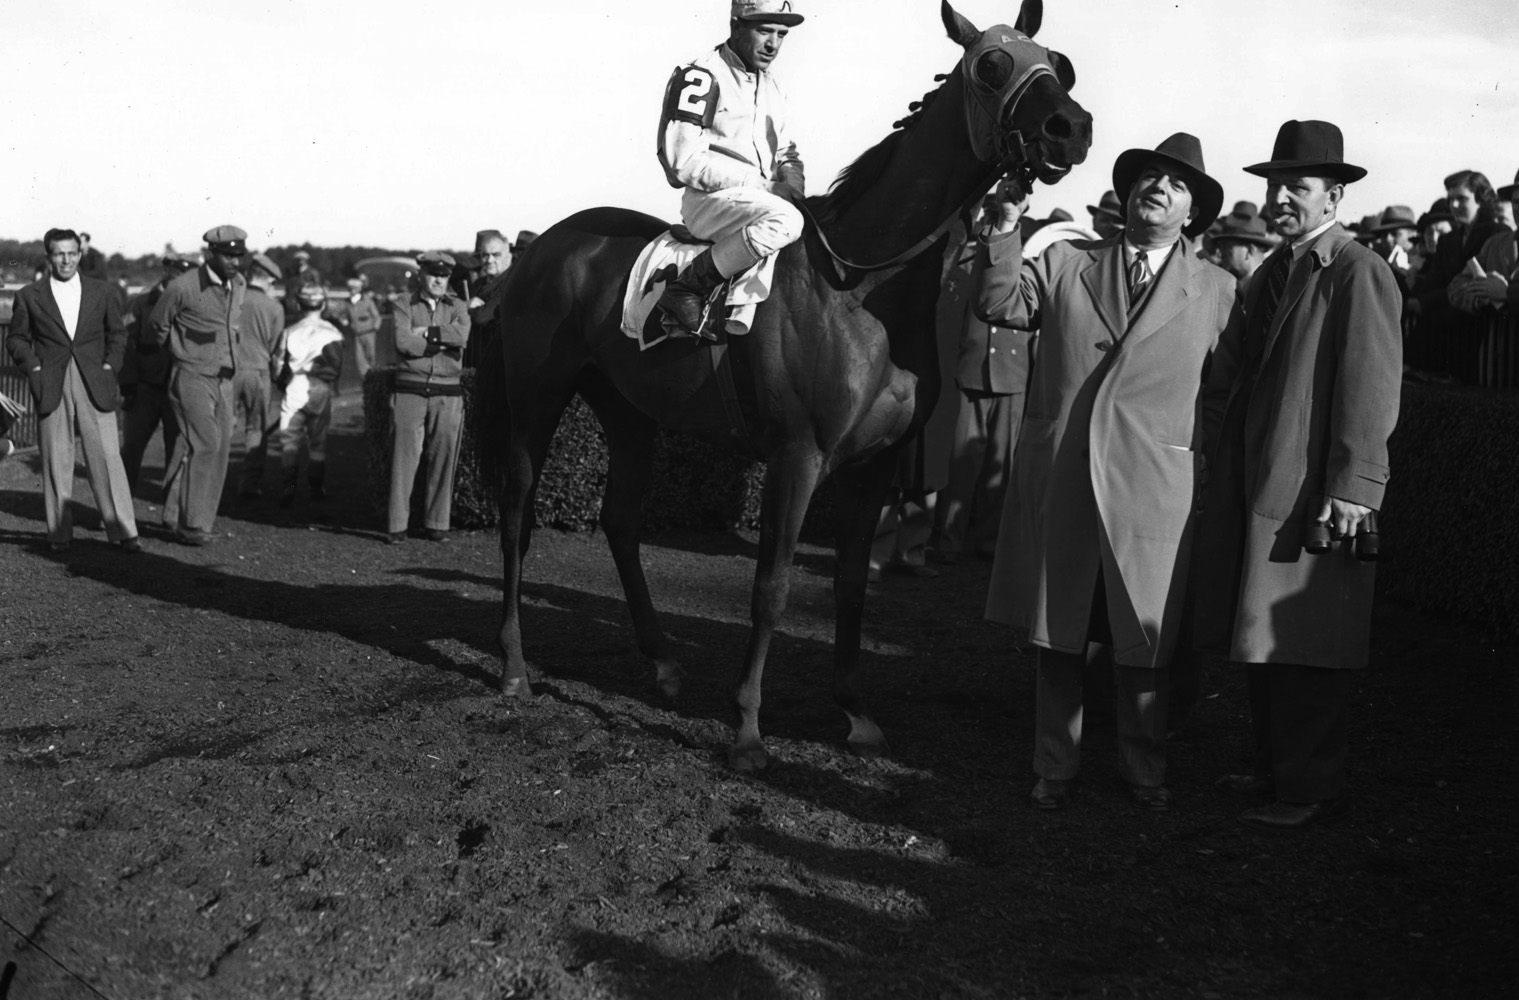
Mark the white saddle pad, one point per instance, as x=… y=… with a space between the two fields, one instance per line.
x=666 y=257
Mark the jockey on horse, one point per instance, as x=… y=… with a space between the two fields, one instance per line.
x=722 y=137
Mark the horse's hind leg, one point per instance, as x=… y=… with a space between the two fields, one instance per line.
x=630 y=461
x=861 y=492
x=790 y=479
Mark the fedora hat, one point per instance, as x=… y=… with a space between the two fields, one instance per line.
x=1245 y=209
x=1509 y=192
x=1180 y=150
x=1235 y=228
x=1310 y=147
x=1395 y=217
x=1439 y=211
x=1108 y=205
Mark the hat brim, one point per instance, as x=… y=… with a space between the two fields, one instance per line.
x=1207 y=194
x=1389 y=227
x=1344 y=173
x=1097 y=210
x=789 y=20
x=1508 y=192
x=1260 y=241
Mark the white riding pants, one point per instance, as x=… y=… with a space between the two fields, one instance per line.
x=745 y=224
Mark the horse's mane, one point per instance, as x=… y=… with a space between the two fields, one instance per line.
x=857 y=178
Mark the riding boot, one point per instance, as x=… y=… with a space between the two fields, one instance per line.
x=287 y=495
x=316 y=477
x=685 y=298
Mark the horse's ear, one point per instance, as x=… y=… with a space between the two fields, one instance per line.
x=1030 y=17
x=961 y=31
x=1064 y=71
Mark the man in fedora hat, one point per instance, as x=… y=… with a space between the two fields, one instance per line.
x=1091 y=553
x=1307 y=379
x=1107 y=215
x=1392 y=237
x=723 y=139
x=1242 y=243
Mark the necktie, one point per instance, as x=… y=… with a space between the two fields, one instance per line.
x=1140 y=275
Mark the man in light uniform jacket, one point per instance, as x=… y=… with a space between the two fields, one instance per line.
x=722 y=137
x=199 y=319
x=258 y=345
x=427 y=402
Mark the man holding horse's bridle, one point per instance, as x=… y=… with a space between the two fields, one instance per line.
x=1092 y=555
x=722 y=137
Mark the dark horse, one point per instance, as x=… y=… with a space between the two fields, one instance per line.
x=839 y=370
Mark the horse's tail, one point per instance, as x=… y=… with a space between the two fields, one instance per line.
x=490 y=411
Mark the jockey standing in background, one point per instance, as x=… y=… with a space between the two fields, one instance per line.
x=722 y=137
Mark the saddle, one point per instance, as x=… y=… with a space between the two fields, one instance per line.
x=733 y=306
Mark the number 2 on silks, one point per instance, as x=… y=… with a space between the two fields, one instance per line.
x=692 y=96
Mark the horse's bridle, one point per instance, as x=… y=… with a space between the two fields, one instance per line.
x=1003 y=148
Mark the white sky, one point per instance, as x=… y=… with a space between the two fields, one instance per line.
x=375 y=122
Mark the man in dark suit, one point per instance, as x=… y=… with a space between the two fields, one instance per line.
x=66 y=334
x=1306 y=381
x=1091 y=555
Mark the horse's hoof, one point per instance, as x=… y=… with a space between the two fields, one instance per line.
x=749 y=760
x=515 y=687
x=870 y=750
x=668 y=677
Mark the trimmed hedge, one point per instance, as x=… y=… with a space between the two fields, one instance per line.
x=694 y=484
x=1449 y=534
x=1450 y=538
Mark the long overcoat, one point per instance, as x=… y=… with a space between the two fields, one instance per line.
x=1315 y=421
x=1106 y=469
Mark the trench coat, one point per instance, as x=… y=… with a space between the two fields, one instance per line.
x=1315 y=422
x=1106 y=468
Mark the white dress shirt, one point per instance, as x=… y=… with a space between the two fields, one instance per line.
x=66 y=294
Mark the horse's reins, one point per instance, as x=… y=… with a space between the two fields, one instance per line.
x=1011 y=143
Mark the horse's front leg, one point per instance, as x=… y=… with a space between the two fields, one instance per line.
x=790 y=479
x=861 y=491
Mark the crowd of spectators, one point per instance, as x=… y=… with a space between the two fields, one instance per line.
x=228 y=345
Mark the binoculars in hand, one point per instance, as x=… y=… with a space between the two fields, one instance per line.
x=1318 y=536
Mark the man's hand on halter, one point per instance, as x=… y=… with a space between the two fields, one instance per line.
x=1012 y=202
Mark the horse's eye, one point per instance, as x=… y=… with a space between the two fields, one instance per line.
x=994 y=69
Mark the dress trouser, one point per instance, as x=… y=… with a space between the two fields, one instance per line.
x=363 y=354
x=203 y=407
x=425 y=427
x=149 y=408
x=1298 y=717
x=1140 y=695
x=250 y=388
x=985 y=432
x=746 y=224
x=102 y=463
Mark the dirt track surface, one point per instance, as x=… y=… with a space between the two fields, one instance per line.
x=275 y=768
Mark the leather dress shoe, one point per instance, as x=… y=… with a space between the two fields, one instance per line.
x=1152 y=798
x=131 y=546
x=435 y=535
x=395 y=538
x=1050 y=794
x=1246 y=784
x=1294 y=815
x=58 y=547
x=193 y=537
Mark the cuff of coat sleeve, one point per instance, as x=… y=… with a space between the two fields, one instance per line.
x=1362 y=483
